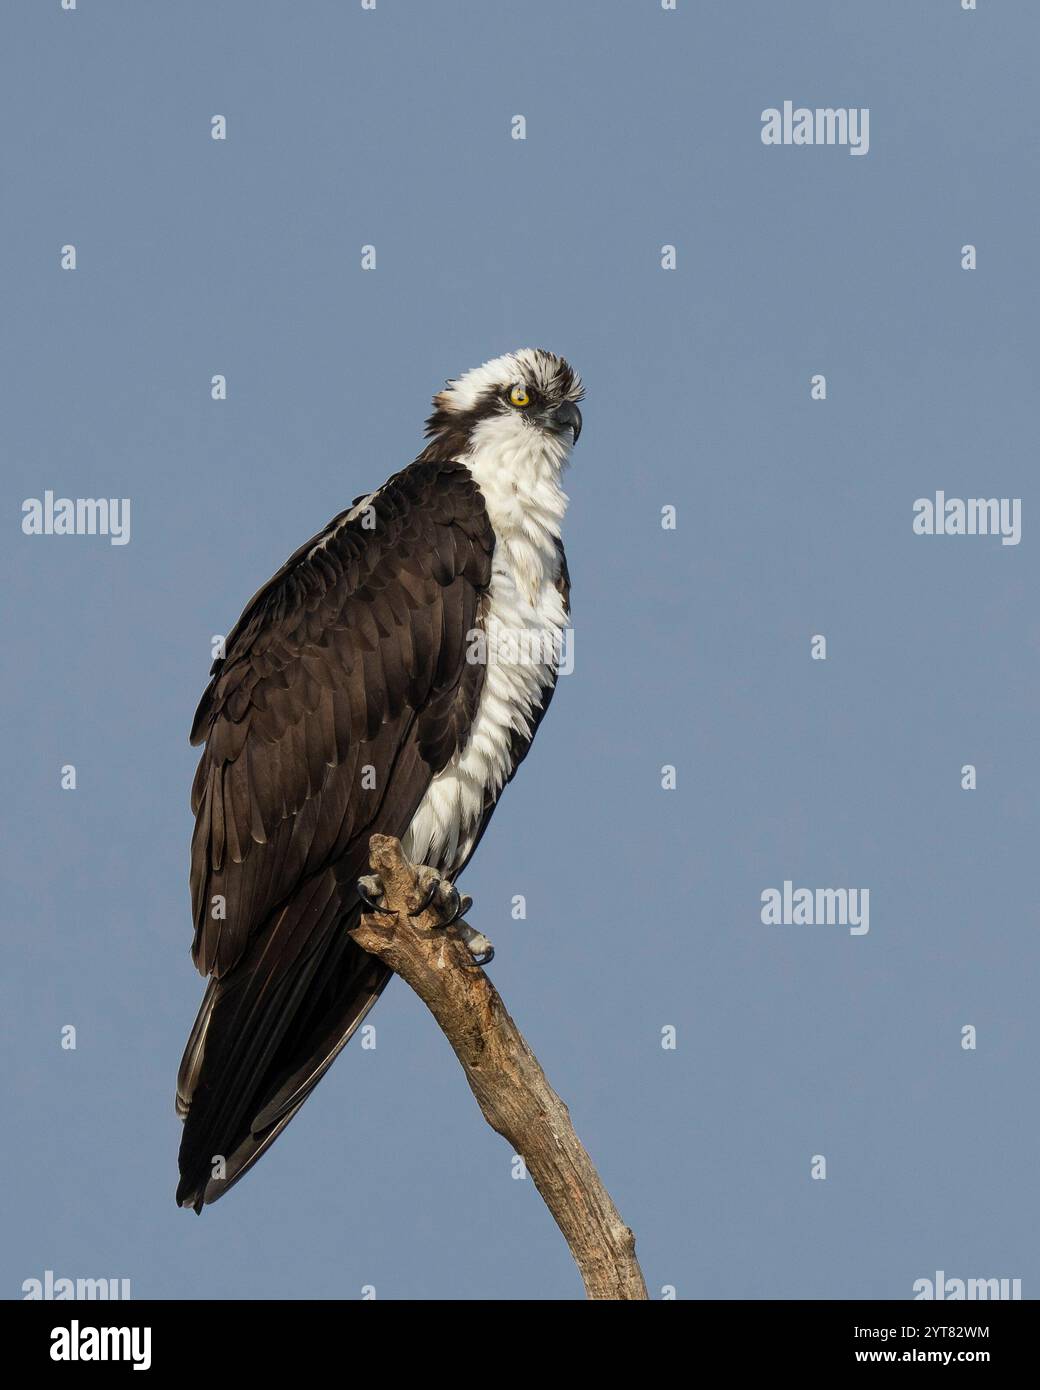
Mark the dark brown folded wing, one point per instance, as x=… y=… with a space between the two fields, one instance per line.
x=343 y=690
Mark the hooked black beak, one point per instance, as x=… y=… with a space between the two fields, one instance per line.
x=567 y=416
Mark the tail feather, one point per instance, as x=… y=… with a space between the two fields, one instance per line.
x=267 y=1033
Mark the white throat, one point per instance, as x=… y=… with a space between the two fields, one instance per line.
x=518 y=469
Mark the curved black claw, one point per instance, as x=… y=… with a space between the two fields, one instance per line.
x=427 y=900
x=479 y=947
x=456 y=906
x=367 y=890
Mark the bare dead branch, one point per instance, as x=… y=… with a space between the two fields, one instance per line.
x=511 y=1089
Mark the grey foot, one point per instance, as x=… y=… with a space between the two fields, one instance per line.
x=436 y=889
x=480 y=947
x=370 y=891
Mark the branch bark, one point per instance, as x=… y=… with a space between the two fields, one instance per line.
x=504 y=1076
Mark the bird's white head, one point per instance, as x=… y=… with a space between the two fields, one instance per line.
x=524 y=403
x=513 y=423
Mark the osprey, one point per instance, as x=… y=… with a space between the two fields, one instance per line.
x=348 y=702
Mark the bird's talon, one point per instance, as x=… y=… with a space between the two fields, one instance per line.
x=427 y=900
x=454 y=898
x=436 y=890
x=370 y=890
x=478 y=945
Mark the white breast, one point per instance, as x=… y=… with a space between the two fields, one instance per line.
x=517 y=471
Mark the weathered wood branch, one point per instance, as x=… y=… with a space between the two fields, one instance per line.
x=511 y=1089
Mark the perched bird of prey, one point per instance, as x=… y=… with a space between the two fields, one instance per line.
x=364 y=690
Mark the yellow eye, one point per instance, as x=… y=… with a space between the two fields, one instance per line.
x=518 y=396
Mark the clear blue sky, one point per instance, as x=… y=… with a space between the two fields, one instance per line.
x=197 y=257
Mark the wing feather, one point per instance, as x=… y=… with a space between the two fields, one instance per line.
x=343 y=690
